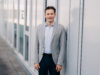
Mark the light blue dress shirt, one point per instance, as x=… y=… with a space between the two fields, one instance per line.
x=48 y=38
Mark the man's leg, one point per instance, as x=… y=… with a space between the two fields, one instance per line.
x=43 y=66
x=52 y=68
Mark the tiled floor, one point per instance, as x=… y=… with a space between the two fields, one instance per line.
x=8 y=62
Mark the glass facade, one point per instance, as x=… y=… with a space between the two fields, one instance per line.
x=15 y=35
x=27 y=15
x=21 y=25
x=15 y=21
x=26 y=47
x=21 y=28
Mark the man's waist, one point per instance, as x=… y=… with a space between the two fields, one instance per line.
x=47 y=54
x=48 y=51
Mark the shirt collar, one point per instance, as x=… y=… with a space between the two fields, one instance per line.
x=46 y=25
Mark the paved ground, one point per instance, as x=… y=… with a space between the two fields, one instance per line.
x=8 y=62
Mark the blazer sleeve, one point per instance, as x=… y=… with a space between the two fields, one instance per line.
x=62 y=43
x=36 y=48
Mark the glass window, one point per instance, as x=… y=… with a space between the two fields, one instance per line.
x=15 y=21
x=26 y=47
x=15 y=35
x=21 y=25
x=27 y=15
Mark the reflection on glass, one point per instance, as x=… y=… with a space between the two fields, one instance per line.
x=15 y=35
x=28 y=14
x=21 y=28
x=15 y=21
x=21 y=25
x=26 y=47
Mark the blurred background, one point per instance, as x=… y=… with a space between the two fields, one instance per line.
x=81 y=19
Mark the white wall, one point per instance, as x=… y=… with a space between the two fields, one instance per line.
x=91 y=39
x=73 y=50
x=63 y=18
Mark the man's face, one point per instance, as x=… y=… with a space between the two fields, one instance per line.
x=50 y=15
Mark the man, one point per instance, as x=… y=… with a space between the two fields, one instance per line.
x=50 y=45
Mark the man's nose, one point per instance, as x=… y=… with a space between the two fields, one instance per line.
x=50 y=15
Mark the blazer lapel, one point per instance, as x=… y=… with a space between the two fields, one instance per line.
x=54 y=30
x=43 y=33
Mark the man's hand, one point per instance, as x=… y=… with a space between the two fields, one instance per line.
x=58 y=68
x=37 y=66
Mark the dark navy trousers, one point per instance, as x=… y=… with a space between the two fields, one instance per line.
x=47 y=65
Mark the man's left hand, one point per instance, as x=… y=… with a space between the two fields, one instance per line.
x=58 y=68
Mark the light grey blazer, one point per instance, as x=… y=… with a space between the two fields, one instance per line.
x=58 y=43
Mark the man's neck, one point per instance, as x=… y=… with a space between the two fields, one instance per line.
x=50 y=23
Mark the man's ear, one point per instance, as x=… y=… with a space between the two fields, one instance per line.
x=55 y=15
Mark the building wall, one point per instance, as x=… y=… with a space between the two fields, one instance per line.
x=91 y=39
x=19 y=18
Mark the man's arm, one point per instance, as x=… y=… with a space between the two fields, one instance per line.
x=62 y=47
x=36 y=55
x=36 y=51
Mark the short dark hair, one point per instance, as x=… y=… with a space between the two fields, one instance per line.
x=50 y=7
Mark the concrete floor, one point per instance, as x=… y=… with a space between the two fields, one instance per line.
x=8 y=62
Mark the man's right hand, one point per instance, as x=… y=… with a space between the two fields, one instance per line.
x=37 y=66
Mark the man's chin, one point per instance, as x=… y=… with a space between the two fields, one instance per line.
x=50 y=21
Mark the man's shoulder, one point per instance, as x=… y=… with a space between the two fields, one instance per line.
x=61 y=26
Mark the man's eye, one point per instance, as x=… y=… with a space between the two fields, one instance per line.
x=51 y=13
